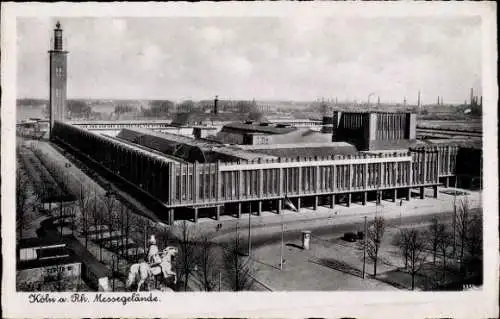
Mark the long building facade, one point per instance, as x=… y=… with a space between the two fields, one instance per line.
x=191 y=190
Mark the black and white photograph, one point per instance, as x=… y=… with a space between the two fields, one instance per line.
x=217 y=151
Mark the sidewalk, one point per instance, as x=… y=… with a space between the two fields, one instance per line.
x=340 y=214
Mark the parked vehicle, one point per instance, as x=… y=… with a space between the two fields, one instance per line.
x=350 y=237
x=361 y=235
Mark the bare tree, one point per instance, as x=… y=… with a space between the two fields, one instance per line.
x=445 y=241
x=97 y=220
x=474 y=242
x=187 y=236
x=207 y=259
x=417 y=248
x=127 y=231
x=436 y=230
x=462 y=223
x=238 y=268
x=373 y=239
x=69 y=212
x=109 y=204
x=84 y=204
x=401 y=240
x=21 y=199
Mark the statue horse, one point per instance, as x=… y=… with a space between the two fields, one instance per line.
x=141 y=272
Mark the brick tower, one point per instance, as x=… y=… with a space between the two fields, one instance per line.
x=58 y=75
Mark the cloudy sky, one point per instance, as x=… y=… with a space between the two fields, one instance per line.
x=256 y=57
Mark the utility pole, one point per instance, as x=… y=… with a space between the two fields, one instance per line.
x=455 y=218
x=238 y=235
x=282 y=243
x=220 y=281
x=145 y=238
x=364 y=251
x=250 y=231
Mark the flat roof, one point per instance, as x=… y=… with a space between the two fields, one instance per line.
x=208 y=147
x=304 y=149
x=33 y=242
x=465 y=142
x=295 y=145
x=257 y=127
x=37 y=263
x=147 y=149
x=368 y=112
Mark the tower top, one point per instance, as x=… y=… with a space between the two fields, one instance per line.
x=58 y=39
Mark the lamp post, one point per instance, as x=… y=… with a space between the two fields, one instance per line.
x=364 y=250
x=249 y=230
x=114 y=264
x=282 y=243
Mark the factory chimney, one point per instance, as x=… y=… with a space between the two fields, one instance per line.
x=471 y=96
x=216 y=102
x=418 y=100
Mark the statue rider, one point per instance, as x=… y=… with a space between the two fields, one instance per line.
x=153 y=256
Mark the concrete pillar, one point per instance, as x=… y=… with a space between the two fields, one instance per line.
x=196 y=214
x=278 y=206
x=435 y=189
x=378 y=197
x=171 y=216
x=259 y=208
x=408 y=194
x=239 y=211
x=395 y=195
x=365 y=197
x=298 y=203
x=348 y=200
x=217 y=212
x=332 y=203
x=421 y=192
x=315 y=204
x=446 y=182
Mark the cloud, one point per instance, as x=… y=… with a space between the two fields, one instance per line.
x=292 y=57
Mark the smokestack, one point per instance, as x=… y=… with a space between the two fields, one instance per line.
x=481 y=101
x=378 y=101
x=438 y=100
x=442 y=100
x=418 y=100
x=404 y=101
x=216 y=101
x=471 y=96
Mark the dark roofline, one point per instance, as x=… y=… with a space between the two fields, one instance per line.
x=369 y=112
x=257 y=128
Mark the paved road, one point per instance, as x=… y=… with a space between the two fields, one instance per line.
x=336 y=228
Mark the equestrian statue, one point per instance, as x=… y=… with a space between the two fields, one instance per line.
x=156 y=263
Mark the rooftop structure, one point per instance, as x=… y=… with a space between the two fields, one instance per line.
x=253 y=133
x=185 y=148
x=200 y=118
x=303 y=149
x=375 y=130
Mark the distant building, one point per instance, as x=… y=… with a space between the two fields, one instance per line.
x=252 y=133
x=200 y=118
x=41 y=262
x=375 y=130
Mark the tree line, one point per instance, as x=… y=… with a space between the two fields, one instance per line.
x=439 y=245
